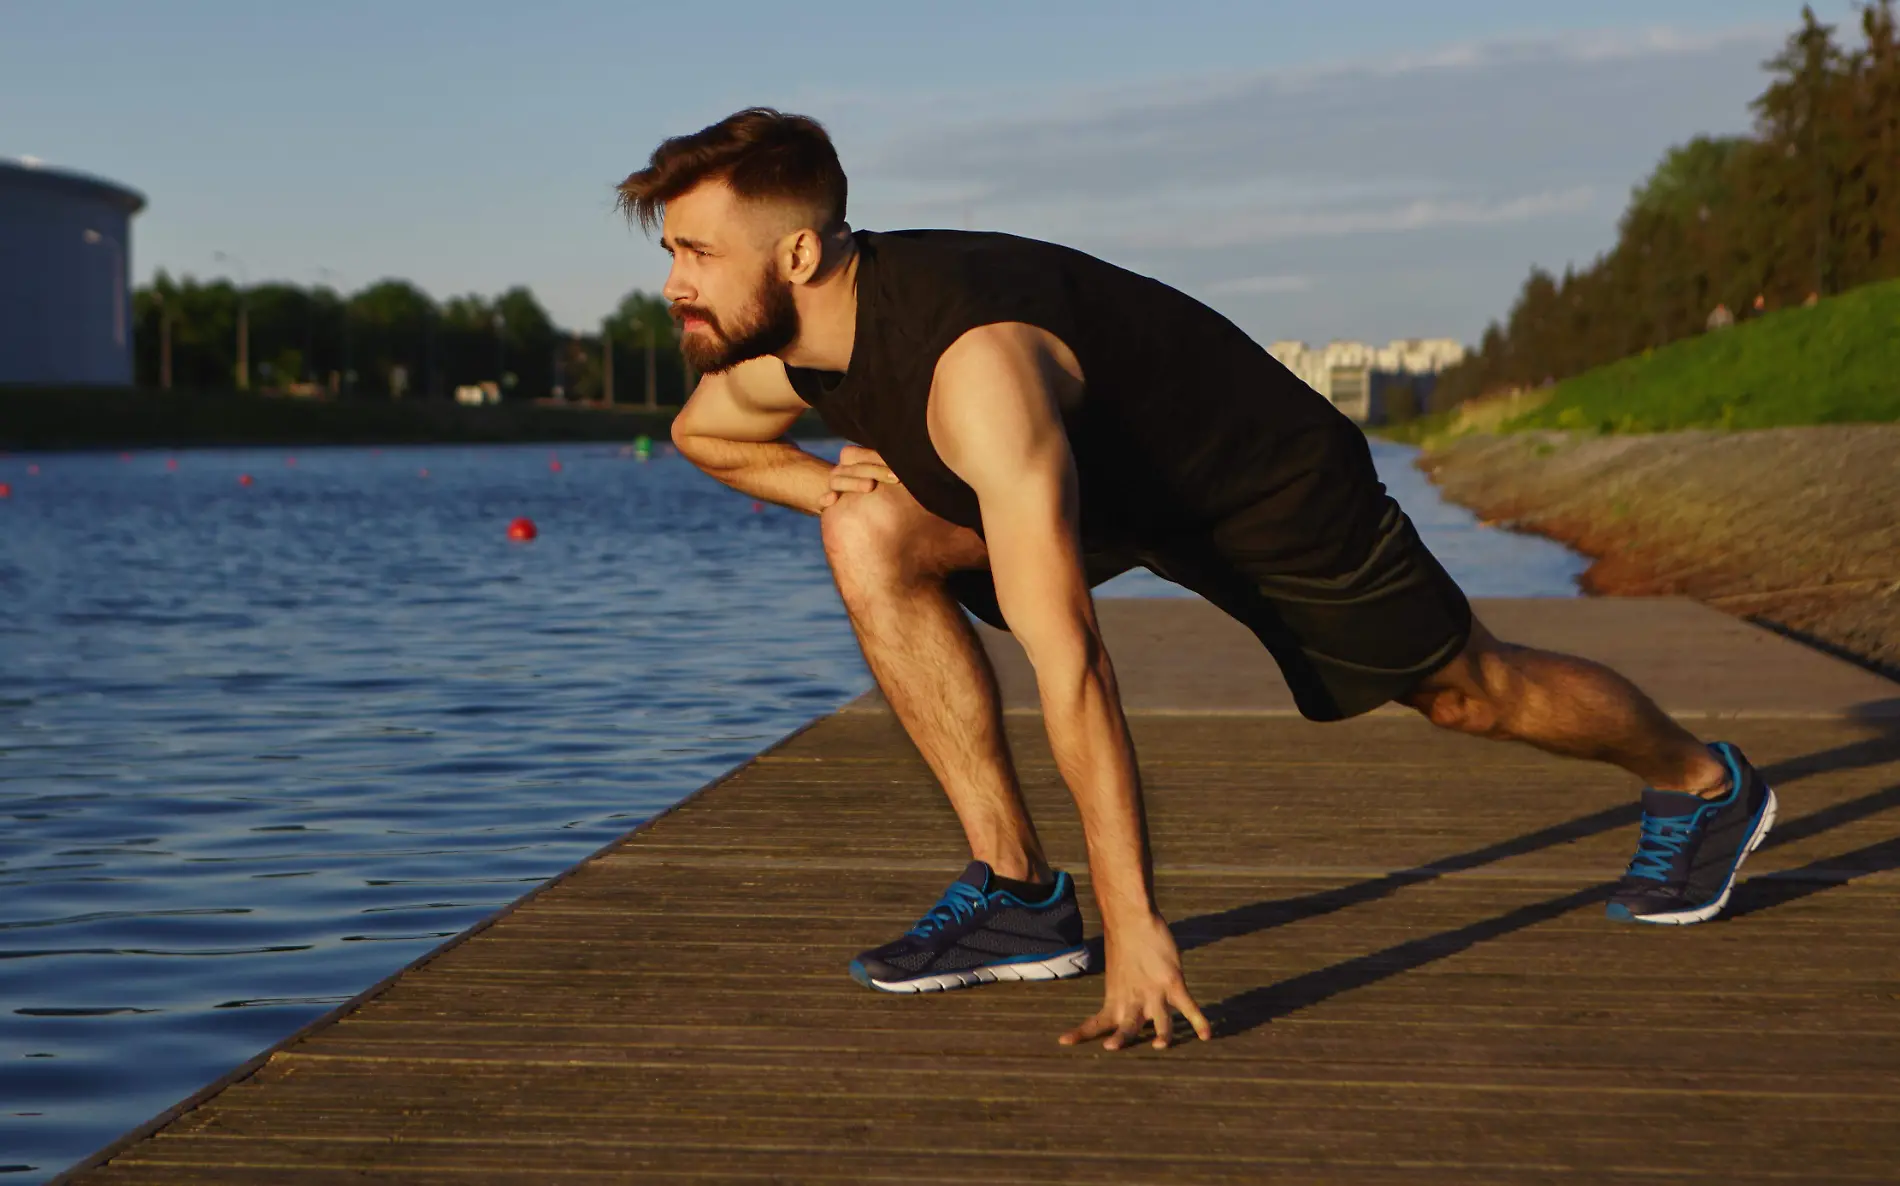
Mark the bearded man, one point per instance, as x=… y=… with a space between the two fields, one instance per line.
x=1029 y=421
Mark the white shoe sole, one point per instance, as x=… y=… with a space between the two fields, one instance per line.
x=1059 y=967
x=1683 y=918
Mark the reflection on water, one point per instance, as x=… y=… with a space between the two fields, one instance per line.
x=262 y=745
x=1485 y=561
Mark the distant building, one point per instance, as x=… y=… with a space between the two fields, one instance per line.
x=1357 y=377
x=65 y=276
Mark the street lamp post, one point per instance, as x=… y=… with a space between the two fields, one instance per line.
x=243 y=318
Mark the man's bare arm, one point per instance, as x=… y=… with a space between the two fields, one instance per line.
x=732 y=427
x=995 y=419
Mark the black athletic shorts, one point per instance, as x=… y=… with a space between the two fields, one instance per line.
x=1362 y=633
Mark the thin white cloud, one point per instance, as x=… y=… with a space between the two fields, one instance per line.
x=1426 y=182
x=1271 y=285
x=1262 y=226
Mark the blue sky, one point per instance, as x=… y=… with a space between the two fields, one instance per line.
x=1355 y=168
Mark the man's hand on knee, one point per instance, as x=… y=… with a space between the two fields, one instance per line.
x=859 y=471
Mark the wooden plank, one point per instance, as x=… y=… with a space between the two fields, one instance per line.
x=1398 y=932
x=1695 y=661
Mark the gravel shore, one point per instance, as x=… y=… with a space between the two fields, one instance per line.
x=1796 y=528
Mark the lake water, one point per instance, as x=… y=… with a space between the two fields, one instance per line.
x=262 y=745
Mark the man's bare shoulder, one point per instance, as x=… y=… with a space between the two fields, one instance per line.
x=1017 y=352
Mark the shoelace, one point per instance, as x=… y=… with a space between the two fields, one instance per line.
x=962 y=900
x=1662 y=840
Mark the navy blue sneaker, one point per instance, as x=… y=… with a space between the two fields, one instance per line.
x=1691 y=848
x=974 y=935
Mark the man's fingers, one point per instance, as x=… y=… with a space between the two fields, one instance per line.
x=845 y=484
x=1163 y=1022
x=1185 y=1003
x=1093 y=1028
x=858 y=453
x=878 y=473
x=1121 y=1025
x=1126 y=1032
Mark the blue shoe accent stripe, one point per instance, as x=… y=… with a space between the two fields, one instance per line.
x=863 y=977
x=1033 y=956
x=1742 y=850
x=1054 y=895
x=1726 y=752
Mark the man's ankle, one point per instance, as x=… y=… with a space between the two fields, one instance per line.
x=1028 y=889
x=1706 y=781
x=1023 y=869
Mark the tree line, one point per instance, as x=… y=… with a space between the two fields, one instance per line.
x=1728 y=227
x=391 y=340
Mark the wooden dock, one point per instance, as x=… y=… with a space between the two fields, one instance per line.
x=1399 y=934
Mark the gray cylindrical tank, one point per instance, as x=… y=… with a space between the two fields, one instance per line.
x=65 y=276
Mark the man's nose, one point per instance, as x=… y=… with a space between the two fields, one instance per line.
x=676 y=289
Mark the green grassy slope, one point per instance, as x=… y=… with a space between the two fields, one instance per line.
x=1835 y=362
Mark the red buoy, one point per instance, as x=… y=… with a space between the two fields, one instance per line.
x=522 y=529
x=291 y=462
x=757 y=507
x=554 y=467
x=171 y=463
x=33 y=470
x=6 y=491
x=125 y=457
x=422 y=473
x=244 y=479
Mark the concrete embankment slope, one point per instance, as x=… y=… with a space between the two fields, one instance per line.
x=1797 y=528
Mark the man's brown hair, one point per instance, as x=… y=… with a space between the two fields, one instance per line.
x=759 y=152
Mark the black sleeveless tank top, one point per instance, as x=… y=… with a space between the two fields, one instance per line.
x=1184 y=419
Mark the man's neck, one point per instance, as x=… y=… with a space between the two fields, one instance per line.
x=828 y=318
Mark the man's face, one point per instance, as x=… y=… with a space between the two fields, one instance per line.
x=726 y=293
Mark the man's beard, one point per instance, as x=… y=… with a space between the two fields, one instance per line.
x=770 y=325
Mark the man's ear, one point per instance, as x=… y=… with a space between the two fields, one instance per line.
x=801 y=255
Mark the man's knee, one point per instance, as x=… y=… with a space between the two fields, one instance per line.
x=1472 y=693
x=886 y=535
x=1458 y=710
x=862 y=528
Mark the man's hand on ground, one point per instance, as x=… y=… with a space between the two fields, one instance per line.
x=859 y=471
x=1144 y=983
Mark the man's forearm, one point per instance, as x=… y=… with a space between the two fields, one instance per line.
x=1088 y=735
x=774 y=471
